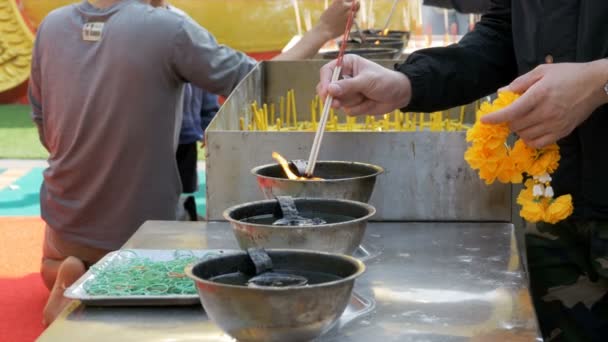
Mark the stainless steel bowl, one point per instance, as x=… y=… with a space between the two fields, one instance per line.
x=403 y=35
x=375 y=41
x=335 y=237
x=366 y=52
x=342 y=180
x=271 y=314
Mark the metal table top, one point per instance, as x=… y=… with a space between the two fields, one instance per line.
x=429 y=281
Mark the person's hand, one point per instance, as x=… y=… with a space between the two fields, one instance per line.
x=333 y=21
x=556 y=99
x=366 y=87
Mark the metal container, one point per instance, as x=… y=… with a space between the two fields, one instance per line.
x=378 y=41
x=425 y=178
x=366 y=52
x=340 y=237
x=403 y=35
x=341 y=180
x=270 y=314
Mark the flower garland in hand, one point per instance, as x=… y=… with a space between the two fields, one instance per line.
x=495 y=160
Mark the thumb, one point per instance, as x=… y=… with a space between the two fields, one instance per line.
x=348 y=86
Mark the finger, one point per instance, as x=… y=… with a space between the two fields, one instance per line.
x=533 y=132
x=521 y=84
x=326 y=72
x=515 y=111
x=542 y=141
x=321 y=90
x=533 y=118
x=365 y=107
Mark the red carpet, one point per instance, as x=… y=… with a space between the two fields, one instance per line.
x=22 y=293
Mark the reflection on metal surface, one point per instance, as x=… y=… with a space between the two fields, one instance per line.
x=422 y=291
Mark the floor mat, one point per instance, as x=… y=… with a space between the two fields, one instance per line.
x=23 y=293
x=22 y=197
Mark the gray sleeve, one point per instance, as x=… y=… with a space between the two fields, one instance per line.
x=199 y=59
x=33 y=91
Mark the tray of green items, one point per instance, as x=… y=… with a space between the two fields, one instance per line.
x=134 y=277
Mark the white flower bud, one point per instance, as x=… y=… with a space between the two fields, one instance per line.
x=538 y=190
x=549 y=192
x=544 y=178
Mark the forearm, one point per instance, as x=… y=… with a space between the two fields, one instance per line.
x=482 y=62
x=307 y=47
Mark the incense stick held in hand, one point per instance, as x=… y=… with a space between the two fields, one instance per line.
x=314 y=152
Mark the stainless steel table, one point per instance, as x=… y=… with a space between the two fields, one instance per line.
x=429 y=281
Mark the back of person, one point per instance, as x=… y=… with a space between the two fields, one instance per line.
x=111 y=111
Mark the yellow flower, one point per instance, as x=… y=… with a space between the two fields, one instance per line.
x=504 y=99
x=525 y=195
x=546 y=160
x=532 y=211
x=489 y=135
x=559 y=209
x=522 y=155
x=486 y=160
x=508 y=172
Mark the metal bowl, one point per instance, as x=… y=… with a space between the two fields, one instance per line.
x=342 y=180
x=271 y=314
x=343 y=236
x=403 y=35
x=378 y=41
x=369 y=53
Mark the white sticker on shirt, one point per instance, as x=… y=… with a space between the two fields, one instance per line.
x=91 y=32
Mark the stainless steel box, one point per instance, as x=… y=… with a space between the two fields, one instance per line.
x=426 y=177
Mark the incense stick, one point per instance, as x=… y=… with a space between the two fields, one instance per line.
x=390 y=15
x=314 y=152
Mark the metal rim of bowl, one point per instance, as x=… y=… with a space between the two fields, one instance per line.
x=378 y=171
x=371 y=211
x=373 y=52
x=360 y=266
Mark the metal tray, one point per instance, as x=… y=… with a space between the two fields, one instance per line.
x=357 y=306
x=77 y=291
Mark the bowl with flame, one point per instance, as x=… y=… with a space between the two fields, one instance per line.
x=372 y=33
x=333 y=179
x=375 y=42
x=365 y=52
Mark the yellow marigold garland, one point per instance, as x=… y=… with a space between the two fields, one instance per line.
x=495 y=160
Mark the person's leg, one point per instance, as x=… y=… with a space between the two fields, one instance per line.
x=187 y=158
x=62 y=264
x=569 y=299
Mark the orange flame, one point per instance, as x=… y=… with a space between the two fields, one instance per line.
x=377 y=42
x=385 y=32
x=285 y=165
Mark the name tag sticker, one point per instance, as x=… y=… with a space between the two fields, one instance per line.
x=91 y=32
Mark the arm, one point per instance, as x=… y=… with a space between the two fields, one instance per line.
x=34 y=92
x=480 y=63
x=330 y=26
x=199 y=59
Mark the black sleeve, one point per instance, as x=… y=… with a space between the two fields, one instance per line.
x=462 y=6
x=482 y=62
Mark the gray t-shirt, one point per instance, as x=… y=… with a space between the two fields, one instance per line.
x=106 y=86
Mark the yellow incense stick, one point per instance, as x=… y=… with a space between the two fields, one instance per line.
x=242 y=123
x=282 y=108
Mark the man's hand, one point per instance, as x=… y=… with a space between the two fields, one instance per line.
x=333 y=21
x=366 y=87
x=556 y=99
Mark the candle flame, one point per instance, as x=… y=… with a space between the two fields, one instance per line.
x=385 y=32
x=377 y=42
x=285 y=165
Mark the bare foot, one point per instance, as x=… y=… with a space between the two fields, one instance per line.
x=70 y=270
